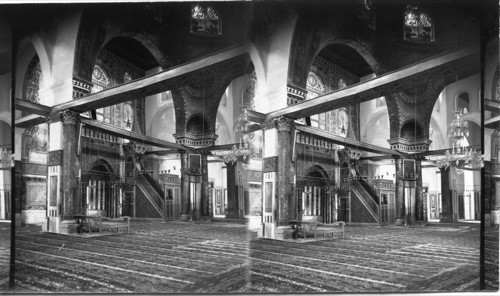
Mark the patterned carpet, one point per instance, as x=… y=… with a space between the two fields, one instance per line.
x=226 y=258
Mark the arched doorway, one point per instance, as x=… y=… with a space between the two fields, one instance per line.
x=99 y=196
x=315 y=203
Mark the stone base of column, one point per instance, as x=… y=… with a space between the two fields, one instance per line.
x=283 y=232
x=495 y=217
x=446 y=219
x=185 y=217
x=399 y=222
x=232 y=216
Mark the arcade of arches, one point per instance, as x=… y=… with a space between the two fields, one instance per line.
x=186 y=111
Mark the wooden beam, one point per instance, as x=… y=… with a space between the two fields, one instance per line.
x=33 y=108
x=134 y=136
x=225 y=147
x=255 y=116
x=492 y=122
x=166 y=80
x=350 y=142
x=443 y=151
x=30 y=120
x=376 y=158
x=163 y=152
x=490 y=105
x=462 y=62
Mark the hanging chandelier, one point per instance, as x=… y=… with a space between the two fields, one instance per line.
x=242 y=150
x=460 y=156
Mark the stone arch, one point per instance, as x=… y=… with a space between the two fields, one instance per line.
x=491 y=68
x=319 y=171
x=103 y=167
x=439 y=134
x=329 y=28
x=197 y=124
x=155 y=121
x=96 y=30
x=411 y=129
x=27 y=51
x=5 y=131
x=372 y=122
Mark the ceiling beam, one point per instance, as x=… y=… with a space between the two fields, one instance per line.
x=162 y=152
x=165 y=80
x=351 y=143
x=490 y=105
x=443 y=151
x=462 y=63
x=492 y=122
x=31 y=107
x=30 y=120
x=133 y=136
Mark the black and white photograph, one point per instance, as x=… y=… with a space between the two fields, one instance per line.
x=250 y=147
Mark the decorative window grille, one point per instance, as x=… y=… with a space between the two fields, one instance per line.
x=418 y=25
x=205 y=20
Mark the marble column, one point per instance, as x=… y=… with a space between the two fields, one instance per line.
x=205 y=191
x=420 y=213
x=232 y=193
x=185 y=182
x=286 y=200
x=399 y=186
x=446 y=197
x=71 y=198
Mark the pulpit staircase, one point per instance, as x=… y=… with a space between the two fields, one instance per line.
x=150 y=197
x=364 y=201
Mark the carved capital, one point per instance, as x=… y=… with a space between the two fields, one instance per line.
x=284 y=124
x=268 y=124
x=68 y=117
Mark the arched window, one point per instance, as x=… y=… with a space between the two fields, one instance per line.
x=418 y=25
x=205 y=20
x=463 y=102
x=101 y=81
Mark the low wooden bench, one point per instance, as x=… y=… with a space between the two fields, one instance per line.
x=100 y=224
x=314 y=229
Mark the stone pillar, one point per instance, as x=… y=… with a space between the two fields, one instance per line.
x=446 y=198
x=205 y=191
x=232 y=193
x=185 y=182
x=419 y=214
x=286 y=201
x=495 y=180
x=70 y=176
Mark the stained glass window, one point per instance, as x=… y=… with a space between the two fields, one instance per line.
x=316 y=87
x=418 y=25
x=101 y=81
x=205 y=20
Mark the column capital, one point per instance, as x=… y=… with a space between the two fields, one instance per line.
x=268 y=124
x=284 y=124
x=68 y=116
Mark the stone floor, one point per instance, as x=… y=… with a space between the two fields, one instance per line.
x=225 y=258
x=5 y=234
